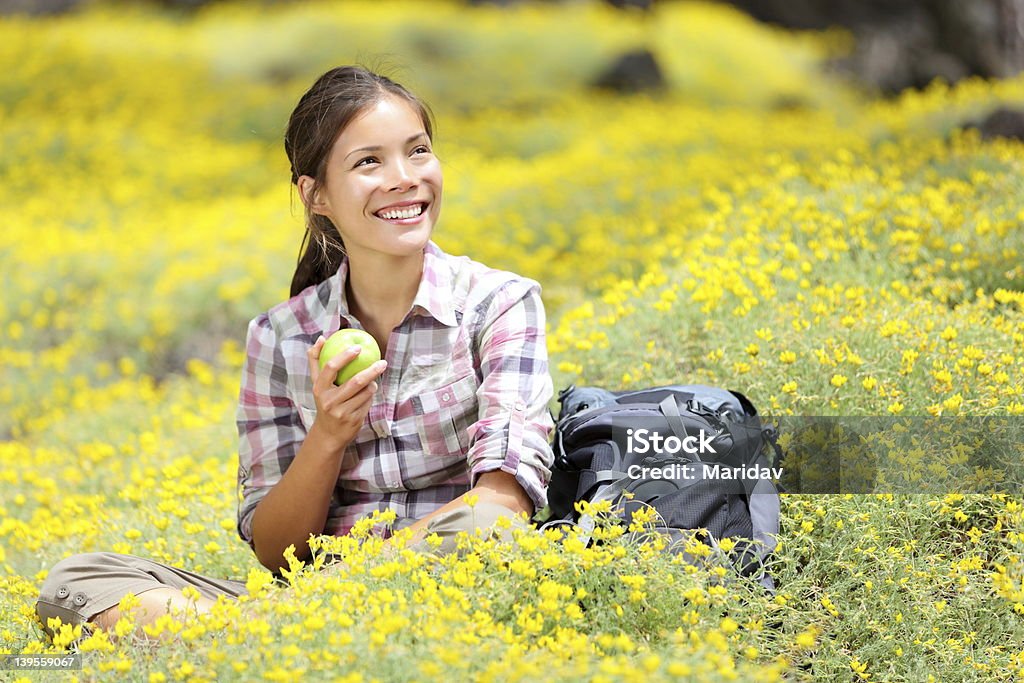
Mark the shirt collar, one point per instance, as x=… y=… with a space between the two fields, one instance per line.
x=434 y=296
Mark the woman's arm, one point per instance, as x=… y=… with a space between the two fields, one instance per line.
x=298 y=504
x=288 y=476
x=512 y=433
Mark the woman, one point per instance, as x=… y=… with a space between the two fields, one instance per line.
x=458 y=404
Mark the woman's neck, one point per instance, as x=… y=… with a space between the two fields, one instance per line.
x=380 y=291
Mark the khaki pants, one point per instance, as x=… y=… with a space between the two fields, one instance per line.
x=81 y=586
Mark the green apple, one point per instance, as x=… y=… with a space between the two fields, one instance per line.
x=343 y=339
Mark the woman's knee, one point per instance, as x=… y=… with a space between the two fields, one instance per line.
x=59 y=594
x=73 y=586
x=59 y=582
x=499 y=519
x=486 y=515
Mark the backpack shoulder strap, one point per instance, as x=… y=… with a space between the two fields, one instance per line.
x=670 y=409
x=763 y=503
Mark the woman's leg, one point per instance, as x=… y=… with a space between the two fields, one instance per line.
x=481 y=516
x=87 y=588
x=153 y=604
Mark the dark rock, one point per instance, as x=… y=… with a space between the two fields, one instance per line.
x=632 y=72
x=909 y=43
x=43 y=7
x=37 y=7
x=899 y=55
x=631 y=4
x=185 y=5
x=820 y=14
x=790 y=103
x=1003 y=123
x=621 y=4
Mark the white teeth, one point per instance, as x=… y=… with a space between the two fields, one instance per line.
x=408 y=212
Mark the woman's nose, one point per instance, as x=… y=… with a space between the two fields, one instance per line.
x=402 y=177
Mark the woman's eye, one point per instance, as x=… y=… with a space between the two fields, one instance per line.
x=422 y=149
x=365 y=160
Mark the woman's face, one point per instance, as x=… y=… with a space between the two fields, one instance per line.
x=383 y=184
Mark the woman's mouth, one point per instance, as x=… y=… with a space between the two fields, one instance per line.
x=404 y=214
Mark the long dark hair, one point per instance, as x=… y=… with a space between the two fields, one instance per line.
x=322 y=113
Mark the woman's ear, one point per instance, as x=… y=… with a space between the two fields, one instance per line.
x=310 y=197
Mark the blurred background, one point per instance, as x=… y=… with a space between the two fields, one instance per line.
x=145 y=186
x=897 y=44
x=149 y=214
x=816 y=203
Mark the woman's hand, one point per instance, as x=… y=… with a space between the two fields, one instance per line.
x=340 y=410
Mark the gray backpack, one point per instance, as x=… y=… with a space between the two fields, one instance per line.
x=687 y=451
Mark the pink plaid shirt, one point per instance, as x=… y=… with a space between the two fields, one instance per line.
x=466 y=391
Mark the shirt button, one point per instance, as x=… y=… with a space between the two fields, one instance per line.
x=519 y=405
x=446 y=396
x=63 y=592
x=80 y=599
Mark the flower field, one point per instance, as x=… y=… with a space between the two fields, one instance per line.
x=760 y=226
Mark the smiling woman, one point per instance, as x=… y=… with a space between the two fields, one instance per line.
x=458 y=403
x=384 y=200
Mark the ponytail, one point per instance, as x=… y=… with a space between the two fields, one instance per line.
x=319 y=259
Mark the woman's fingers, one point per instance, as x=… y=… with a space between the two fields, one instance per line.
x=351 y=410
x=360 y=403
x=330 y=371
x=359 y=389
x=361 y=380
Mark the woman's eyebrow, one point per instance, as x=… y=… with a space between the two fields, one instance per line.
x=374 y=148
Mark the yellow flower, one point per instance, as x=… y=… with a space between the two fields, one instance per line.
x=679 y=670
x=633 y=581
x=258 y=580
x=807 y=638
x=838 y=380
x=570 y=368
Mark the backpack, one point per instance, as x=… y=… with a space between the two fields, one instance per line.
x=679 y=449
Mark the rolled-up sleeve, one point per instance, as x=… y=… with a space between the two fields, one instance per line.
x=515 y=425
x=269 y=430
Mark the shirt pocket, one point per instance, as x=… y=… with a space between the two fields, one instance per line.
x=443 y=417
x=307 y=415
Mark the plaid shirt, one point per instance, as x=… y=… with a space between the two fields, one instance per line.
x=466 y=391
